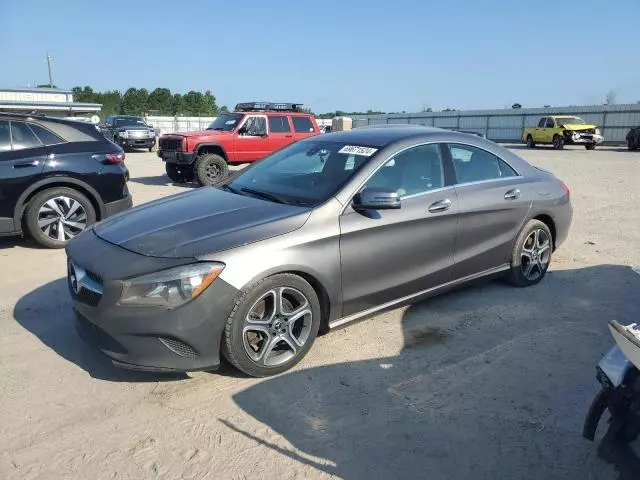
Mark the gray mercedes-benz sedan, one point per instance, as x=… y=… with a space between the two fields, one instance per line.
x=326 y=231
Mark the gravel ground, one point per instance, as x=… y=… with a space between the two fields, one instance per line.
x=487 y=382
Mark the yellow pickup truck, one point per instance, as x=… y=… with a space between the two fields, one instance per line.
x=563 y=130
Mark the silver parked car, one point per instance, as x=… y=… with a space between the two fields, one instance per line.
x=326 y=231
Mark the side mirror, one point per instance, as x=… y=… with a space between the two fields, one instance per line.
x=376 y=199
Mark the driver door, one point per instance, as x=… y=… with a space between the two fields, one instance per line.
x=390 y=254
x=251 y=140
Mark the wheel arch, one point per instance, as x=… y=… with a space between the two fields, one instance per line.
x=214 y=148
x=550 y=223
x=53 y=182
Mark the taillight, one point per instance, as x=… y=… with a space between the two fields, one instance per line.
x=113 y=158
x=564 y=188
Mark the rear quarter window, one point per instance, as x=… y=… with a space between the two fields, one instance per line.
x=302 y=125
x=46 y=136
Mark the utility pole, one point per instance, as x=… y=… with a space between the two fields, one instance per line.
x=49 y=58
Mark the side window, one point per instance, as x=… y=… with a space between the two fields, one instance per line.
x=46 y=136
x=550 y=123
x=302 y=125
x=473 y=164
x=413 y=171
x=5 y=138
x=279 y=124
x=542 y=122
x=23 y=137
x=256 y=126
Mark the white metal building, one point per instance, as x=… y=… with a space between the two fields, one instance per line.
x=51 y=101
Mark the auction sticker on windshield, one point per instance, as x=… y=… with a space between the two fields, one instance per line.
x=355 y=150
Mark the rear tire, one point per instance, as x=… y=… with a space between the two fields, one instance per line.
x=531 y=255
x=211 y=169
x=530 y=142
x=254 y=324
x=558 y=142
x=590 y=146
x=179 y=174
x=56 y=215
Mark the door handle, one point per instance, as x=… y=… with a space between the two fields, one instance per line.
x=512 y=194
x=289 y=136
x=35 y=163
x=440 y=206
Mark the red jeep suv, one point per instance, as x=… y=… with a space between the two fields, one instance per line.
x=251 y=132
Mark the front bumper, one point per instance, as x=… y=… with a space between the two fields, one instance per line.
x=136 y=142
x=585 y=139
x=170 y=156
x=142 y=338
x=119 y=205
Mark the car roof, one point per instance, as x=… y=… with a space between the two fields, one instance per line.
x=270 y=112
x=69 y=129
x=380 y=135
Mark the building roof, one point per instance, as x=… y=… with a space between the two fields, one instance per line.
x=34 y=90
x=68 y=106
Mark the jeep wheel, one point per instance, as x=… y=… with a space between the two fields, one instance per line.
x=530 y=142
x=211 y=169
x=179 y=174
x=558 y=142
x=590 y=146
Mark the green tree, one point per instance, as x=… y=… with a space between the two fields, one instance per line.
x=161 y=101
x=110 y=101
x=209 y=107
x=134 y=101
x=193 y=103
x=177 y=105
x=225 y=109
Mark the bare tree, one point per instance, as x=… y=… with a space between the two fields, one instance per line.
x=610 y=99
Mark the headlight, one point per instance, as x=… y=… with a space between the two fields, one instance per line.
x=123 y=134
x=598 y=131
x=151 y=134
x=170 y=288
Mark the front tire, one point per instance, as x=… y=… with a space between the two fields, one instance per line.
x=57 y=215
x=272 y=326
x=558 y=142
x=211 y=169
x=530 y=142
x=590 y=146
x=531 y=254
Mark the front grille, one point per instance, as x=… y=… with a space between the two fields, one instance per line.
x=84 y=286
x=171 y=144
x=178 y=347
x=590 y=131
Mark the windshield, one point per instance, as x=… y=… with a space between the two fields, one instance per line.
x=127 y=121
x=305 y=173
x=226 y=122
x=569 y=121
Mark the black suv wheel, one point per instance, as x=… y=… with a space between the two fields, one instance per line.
x=57 y=215
x=211 y=169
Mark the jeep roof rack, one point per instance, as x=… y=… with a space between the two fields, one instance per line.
x=268 y=107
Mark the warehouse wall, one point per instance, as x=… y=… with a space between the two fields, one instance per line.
x=507 y=125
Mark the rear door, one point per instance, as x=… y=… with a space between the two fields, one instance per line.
x=22 y=159
x=302 y=126
x=251 y=140
x=280 y=134
x=538 y=133
x=493 y=203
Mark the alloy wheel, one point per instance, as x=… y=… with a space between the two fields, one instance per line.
x=277 y=326
x=535 y=255
x=62 y=218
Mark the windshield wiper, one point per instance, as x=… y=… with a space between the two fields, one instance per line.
x=265 y=195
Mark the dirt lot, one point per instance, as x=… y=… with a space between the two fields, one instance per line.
x=488 y=382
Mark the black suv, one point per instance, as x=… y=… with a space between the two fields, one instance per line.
x=129 y=132
x=57 y=177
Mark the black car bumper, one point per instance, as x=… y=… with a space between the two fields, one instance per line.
x=118 y=206
x=186 y=338
x=136 y=142
x=176 y=157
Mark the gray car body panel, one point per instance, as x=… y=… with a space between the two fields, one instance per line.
x=361 y=262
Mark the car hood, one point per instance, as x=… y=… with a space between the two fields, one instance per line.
x=576 y=126
x=200 y=133
x=203 y=221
